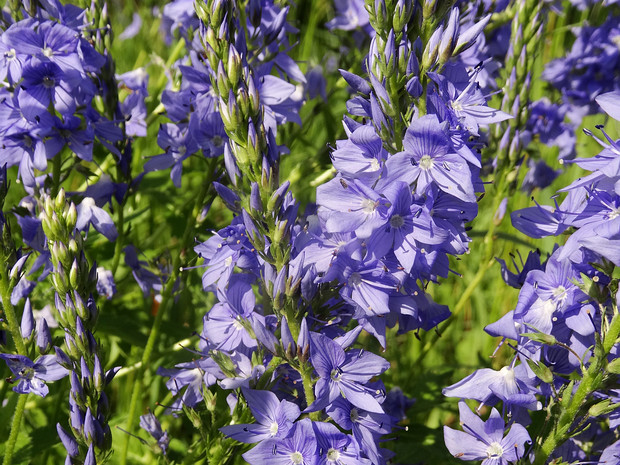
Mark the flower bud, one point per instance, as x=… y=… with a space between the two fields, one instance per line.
x=233 y=67
x=402 y=14
x=59 y=201
x=449 y=37
x=73 y=275
x=98 y=375
x=27 y=324
x=254 y=100
x=221 y=80
x=90 y=456
x=429 y=56
x=71 y=217
x=76 y=418
x=77 y=390
x=275 y=202
x=288 y=343
x=44 y=338
x=218 y=13
x=68 y=441
x=63 y=359
x=256 y=204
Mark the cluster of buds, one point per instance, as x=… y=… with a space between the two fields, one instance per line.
x=527 y=28
x=75 y=281
x=390 y=66
x=235 y=84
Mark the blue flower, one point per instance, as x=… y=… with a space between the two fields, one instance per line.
x=274 y=418
x=485 y=440
x=299 y=448
x=33 y=375
x=151 y=425
x=344 y=374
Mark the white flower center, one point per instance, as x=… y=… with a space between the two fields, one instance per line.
x=495 y=450
x=559 y=292
x=374 y=165
x=48 y=52
x=333 y=455
x=297 y=458
x=508 y=374
x=426 y=162
x=335 y=374
x=368 y=206
x=273 y=429
x=237 y=324
x=456 y=106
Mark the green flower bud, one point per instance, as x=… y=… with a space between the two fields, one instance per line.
x=74 y=275
x=71 y=217
x=233 y=67
x=59 y=202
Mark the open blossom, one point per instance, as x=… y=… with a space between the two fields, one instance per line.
x=429 y=157
x=32 y=376
x=344 y=374
x=274 y=418
x=485 y=440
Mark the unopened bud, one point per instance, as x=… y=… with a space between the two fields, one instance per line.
x=74 y=275
x=233 y=67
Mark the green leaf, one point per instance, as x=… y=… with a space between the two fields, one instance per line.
x=542 y=371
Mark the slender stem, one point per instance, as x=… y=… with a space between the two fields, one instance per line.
x=167 y=298
x=56 y=174
x=306 y=378
x=118 y=246
x=15 y=427
x=593 y=380
x=9 y=311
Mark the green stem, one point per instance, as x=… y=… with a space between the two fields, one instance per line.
x=9 y=311
x=56 y=174
x=15 y=427
x=118 y=246
x=167 y=298
x=593 y=380
x=306 y=378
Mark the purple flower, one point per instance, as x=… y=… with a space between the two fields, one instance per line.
x=344 y=374
x=42 y=84
x=274 y=418
x=348 y=206
x=227 y=323
x=610 y=103
x=336 y=448
x=33 y=375
x=429 y=158
x=297 y=449
x=195 y=375
x=151 y=425
x=484 y=440
x=350 y=14
x=178 y=145
x=89 y=213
